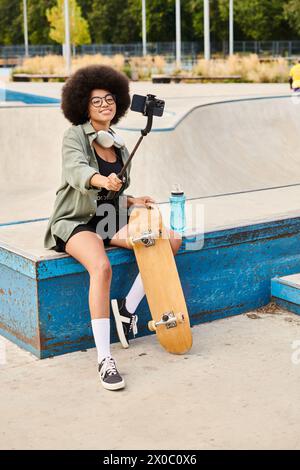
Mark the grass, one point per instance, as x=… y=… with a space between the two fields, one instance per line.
x=250 y=68
x=139 y=67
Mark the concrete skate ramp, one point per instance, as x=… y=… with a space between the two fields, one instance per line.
x=222 y=148
x=217 y=148
x=30 y=161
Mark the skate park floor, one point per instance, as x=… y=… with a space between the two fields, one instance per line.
x=236 y=389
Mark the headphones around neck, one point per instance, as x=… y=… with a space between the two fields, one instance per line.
x=108 y=138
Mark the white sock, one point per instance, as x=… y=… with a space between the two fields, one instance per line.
x=101 y=332
x=135 y=295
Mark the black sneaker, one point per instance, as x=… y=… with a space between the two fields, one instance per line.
x=109 y=375
x=126 y=322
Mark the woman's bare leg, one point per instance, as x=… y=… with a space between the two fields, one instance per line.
x=88 y=249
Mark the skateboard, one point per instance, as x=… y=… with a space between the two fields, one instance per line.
x=150 y=241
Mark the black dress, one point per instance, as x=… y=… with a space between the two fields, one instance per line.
x=105 y=169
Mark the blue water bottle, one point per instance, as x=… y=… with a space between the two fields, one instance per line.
x=177 y=203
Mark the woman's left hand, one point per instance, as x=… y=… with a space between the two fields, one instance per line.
x=145 y=201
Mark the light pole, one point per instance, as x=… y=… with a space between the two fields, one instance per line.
x=178 y=35
x=231 y=35
x=25 y=28
x=67 y=51
x=144 y=30
x=206 y=31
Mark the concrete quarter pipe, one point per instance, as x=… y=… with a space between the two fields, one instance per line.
x=215 y=148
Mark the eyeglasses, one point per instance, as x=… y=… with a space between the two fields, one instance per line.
x=97 y=101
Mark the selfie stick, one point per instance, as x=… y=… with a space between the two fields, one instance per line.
x=149 y=113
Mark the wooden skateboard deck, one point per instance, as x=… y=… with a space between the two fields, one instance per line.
x=160 y=279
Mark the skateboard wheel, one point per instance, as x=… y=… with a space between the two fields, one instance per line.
x=151 y=325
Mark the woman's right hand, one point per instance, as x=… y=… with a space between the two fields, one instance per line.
x=112 y=182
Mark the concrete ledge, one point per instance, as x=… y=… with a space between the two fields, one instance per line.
x=44 y=300
x=161 y=78
x=27 y=77
x=286 y=292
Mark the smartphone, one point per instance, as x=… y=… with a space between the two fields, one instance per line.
x=140 y=104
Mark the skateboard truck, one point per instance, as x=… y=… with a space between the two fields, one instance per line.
x=147 y=238
x=168 y=319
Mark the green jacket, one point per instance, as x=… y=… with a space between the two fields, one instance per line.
x=76 y=200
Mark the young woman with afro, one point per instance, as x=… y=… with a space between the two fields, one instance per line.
x=94 y=98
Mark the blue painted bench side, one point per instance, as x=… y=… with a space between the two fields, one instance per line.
x=19 y=309
x=230 y=275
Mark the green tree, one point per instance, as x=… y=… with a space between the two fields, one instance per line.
x=11 y=22
x=292 y=14
x=258 y=19
x=79 y=29
x=120 y=21
x=161 y=19
x=218 y=24
x=86 y=7
x=112 y=21
x=38 y=26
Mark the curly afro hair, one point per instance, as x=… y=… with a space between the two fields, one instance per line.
x=77 y=91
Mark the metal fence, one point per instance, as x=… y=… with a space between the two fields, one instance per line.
x=136 y=49
x=188 y=49
x=271 y=48
x=19 y=50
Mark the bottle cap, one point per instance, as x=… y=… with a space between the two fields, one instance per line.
x=176 y=190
